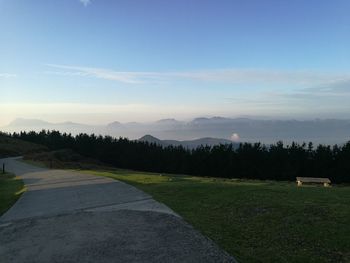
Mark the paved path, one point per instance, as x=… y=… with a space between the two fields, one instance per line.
x=66 y=216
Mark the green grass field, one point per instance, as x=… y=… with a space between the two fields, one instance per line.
x=11 y=188
x=257 y=221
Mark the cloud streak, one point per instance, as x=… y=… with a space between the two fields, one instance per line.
x=333 y=90
x=85 y=2
x=7 y=75
x=336 y=88
x=230 y=76
x=107 y=74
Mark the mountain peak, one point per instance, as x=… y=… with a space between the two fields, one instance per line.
x=200 y=119
x=150 y=139
x=114 y=124
x=170 y=120
x=28 y=122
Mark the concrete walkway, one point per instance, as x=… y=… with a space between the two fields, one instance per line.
x=66 y=216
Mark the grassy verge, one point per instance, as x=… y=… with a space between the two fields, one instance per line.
x=257 y=221
x=11 y=188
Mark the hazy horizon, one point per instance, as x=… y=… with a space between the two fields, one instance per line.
x=154 y=120
x=96 y=62
x=267 y=131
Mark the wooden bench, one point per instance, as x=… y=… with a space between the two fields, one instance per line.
x=325 y=181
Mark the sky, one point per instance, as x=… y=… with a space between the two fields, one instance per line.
x=98 y=61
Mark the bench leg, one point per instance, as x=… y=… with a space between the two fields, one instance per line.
x=326 y=184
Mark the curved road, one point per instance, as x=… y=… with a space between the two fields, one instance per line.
x=66 y=216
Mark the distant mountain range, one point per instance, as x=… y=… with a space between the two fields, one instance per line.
x=327 y=131
x=191 y=144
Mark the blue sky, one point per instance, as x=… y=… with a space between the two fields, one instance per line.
x=139 y=60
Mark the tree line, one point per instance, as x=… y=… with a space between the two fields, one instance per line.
x=249 y=160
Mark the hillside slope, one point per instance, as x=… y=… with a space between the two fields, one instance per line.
x=14 y=147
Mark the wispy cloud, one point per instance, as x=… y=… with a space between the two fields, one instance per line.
x=327 y=99
x=66 y=73
x=335 y=88
x=332 y=90
x=120 y=76
x=265 y=76
x=85 y=2
x=8 y=75
x=302 y=79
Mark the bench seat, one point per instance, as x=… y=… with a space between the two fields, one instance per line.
x=325 y=181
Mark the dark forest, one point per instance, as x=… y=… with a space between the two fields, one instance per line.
x=248 y=160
